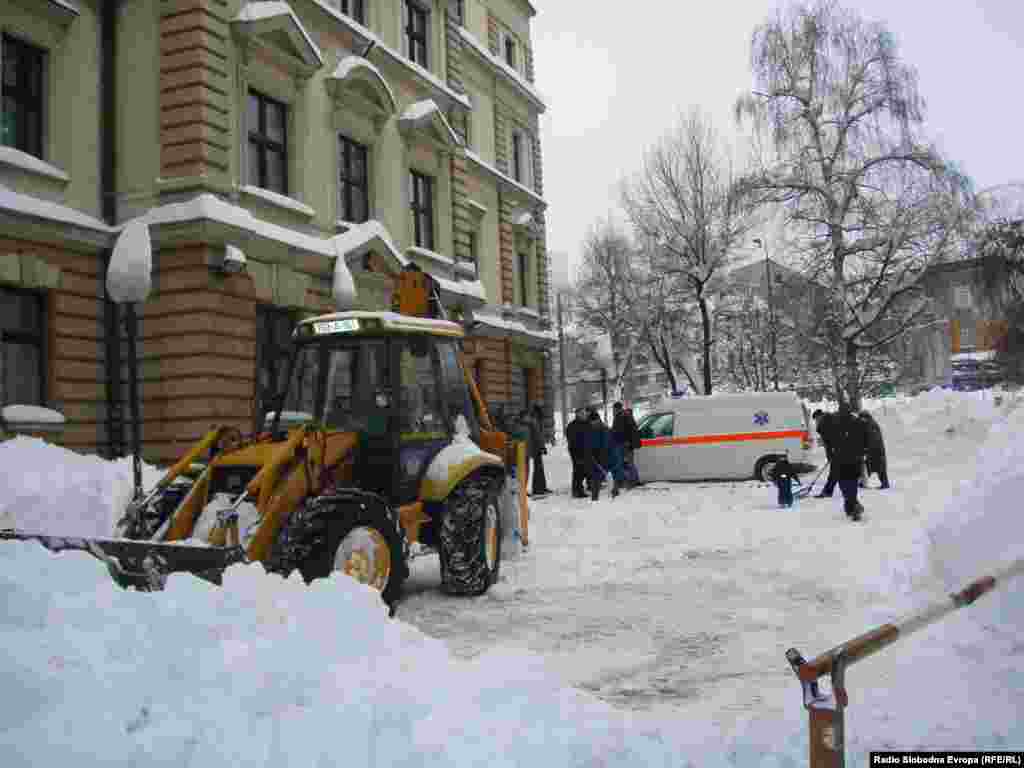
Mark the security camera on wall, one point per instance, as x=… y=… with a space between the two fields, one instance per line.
x=234 y=260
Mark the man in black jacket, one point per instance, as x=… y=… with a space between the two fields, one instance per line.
x=875 y=449
x=575 y=436
x=850 y=445
x=826 y=426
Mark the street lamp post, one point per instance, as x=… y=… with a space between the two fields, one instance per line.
x=772 y=330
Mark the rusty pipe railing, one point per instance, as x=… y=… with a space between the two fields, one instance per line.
x=827 y=724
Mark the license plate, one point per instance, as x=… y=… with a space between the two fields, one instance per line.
x=336 y=326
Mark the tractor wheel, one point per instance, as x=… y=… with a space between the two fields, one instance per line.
x=764 y=468
x=470 y=539
x=359 y=538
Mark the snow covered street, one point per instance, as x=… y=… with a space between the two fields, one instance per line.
x=645 y=630
x=682 y=598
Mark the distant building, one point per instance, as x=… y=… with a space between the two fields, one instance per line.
x=966 y=329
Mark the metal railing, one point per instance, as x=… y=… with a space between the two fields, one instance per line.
x=825 y=710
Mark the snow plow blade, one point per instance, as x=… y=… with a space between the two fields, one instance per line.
x=143 y=565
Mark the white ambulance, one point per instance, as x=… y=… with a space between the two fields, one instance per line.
x=724 y=437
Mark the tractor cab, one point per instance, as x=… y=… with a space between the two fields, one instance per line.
x=393 y=381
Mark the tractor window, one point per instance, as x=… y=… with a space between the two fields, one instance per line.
x=455 y=392
x=358 y=392
x=419 y=410
x=302 y=392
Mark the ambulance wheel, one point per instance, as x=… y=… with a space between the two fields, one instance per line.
x=470 y=538
x=764 y=468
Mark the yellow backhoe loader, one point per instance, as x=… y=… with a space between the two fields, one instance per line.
x=380 y=441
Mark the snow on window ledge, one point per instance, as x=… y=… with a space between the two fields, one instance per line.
x=503 y=177
x=23 y=161
x=32 y=418
x=431 y=255
x=280 y=201
x=467 y=268
x=528 y=312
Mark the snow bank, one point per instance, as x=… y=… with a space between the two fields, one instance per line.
x=267 y=671
x=48 y=489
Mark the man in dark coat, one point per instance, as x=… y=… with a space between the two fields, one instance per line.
x=826 y=426
x=538 y=449
x=620 y=444
x=632 y=477
x=849 y=448
x=595 y=453
x=575 y=436
x=875 y=449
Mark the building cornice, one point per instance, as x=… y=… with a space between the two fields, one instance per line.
x=507 y=183
x=499 y=67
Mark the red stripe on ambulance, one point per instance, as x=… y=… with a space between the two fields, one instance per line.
x=736 y=437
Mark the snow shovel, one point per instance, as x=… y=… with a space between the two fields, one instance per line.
x=805 y=490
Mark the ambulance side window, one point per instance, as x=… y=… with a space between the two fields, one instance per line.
x=657 y=425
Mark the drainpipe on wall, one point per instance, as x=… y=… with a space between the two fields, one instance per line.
x=108 y=204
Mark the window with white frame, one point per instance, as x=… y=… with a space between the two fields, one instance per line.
x=421 y=202
x=22 y=92
x=22 y=347
x=524 y=279
x=353 y=181
x=509 y=51
x=416 y=31
x=267 y=126
x=521 y=158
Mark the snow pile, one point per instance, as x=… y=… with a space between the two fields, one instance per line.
x=48 y=489
x=268 y=671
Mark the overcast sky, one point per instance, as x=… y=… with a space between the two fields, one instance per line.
x=615 y=77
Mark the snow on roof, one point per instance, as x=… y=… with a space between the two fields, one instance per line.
x=262 y=10
x=210 y=207
x=66 y=5
x=523 y=84
x=361 y=236
x=17 y=202
x=440 y=258
x=354 y=65
x=473 y=289
x=447 y=326
x=27 y=162
x=282 y=201
x=505 y=178
x=419 y=113
x=514 y=326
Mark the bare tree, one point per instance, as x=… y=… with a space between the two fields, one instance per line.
x=683 y=200
x=665 y=321
x=606 y=294
x=871 y=203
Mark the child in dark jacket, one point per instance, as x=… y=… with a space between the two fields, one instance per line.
x=784 y=477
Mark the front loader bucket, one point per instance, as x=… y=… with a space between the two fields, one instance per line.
x=143 y=565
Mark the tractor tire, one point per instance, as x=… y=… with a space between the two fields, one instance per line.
x=764 y=468
x=470 y=538
x=358 y=535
